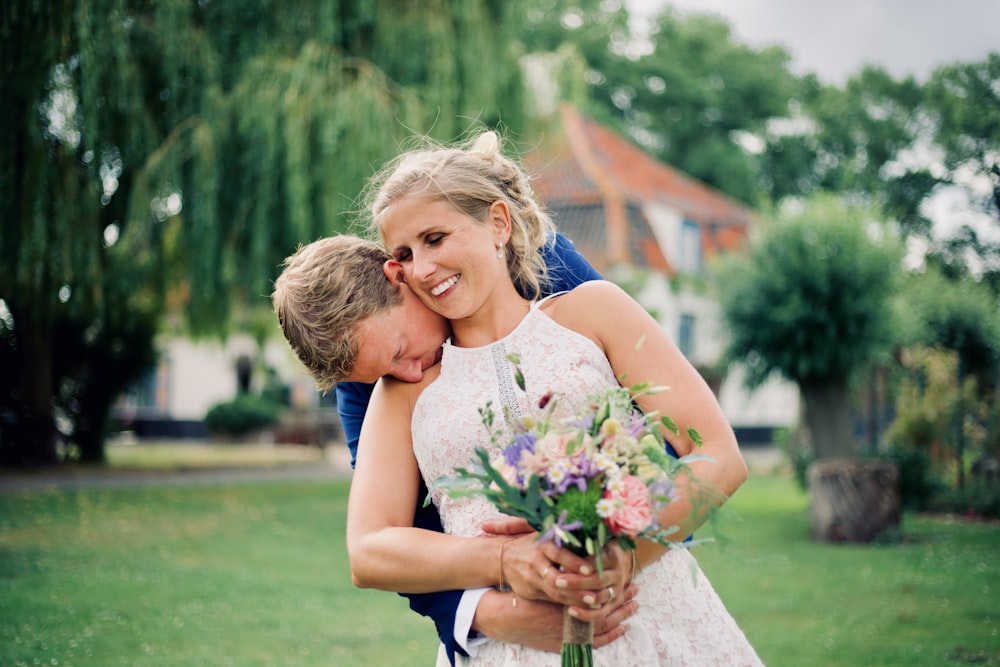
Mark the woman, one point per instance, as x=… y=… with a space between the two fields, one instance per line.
x=465 y=236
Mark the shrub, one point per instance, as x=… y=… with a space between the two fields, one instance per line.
x=978 y=498
x=243 y=414
x=917 y=485
x=798 y=453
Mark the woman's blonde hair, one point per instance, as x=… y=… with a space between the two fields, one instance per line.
x=472 y=177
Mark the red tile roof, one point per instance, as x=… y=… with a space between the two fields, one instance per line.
x=597 y=184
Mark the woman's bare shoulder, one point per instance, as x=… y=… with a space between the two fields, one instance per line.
x=586 y=300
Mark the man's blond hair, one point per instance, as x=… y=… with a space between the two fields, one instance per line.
x=324 y=291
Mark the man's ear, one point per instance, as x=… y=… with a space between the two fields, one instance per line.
x=393 y=270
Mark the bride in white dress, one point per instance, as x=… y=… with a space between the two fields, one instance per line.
x=466 y=249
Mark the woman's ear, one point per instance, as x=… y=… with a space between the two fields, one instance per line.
x=393 y=270
x=500 y=219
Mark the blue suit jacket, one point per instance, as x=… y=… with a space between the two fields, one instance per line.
x=567 y=269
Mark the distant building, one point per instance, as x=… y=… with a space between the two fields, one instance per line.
x=652 y=228
x=194 y=375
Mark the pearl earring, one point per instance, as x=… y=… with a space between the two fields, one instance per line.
x=500 y=252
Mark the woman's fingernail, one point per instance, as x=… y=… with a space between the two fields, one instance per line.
x=561 y=583
x=574 y=613
x=589 y=599
x=585 y=570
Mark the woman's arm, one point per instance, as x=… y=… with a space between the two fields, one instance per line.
x=640 y=351
x=388 y=553
x=385 y=550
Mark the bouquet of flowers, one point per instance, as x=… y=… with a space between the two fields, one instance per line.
x=581 y=481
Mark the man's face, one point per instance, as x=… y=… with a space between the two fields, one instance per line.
x=403 y=342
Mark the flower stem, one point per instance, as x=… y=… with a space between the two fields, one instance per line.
x=578 y=640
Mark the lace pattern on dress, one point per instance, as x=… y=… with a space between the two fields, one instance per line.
x=505 y=382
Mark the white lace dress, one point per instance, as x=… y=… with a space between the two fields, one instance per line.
x=681 y=620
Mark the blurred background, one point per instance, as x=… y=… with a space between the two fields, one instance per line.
x=805 y=195
x=815 y=226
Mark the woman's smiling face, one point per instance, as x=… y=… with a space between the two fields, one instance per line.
x=448 y=258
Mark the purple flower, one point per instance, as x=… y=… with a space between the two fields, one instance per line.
x=663 y=488
x=524 y=441
x=637 y=425
x=558 y=531
x=587 y=468
x=583 y=423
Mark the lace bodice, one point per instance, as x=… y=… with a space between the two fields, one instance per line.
x=681 y=619
x=447 y=425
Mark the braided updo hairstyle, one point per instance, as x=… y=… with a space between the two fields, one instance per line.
x=472 y=178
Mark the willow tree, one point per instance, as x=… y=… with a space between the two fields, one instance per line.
x=160 y=159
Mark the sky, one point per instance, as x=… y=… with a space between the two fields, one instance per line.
x=836 y=39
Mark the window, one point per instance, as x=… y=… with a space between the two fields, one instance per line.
x=685 y=338
x=690 y=256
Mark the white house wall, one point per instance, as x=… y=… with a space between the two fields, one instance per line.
x=776 y=403
x=203 y=373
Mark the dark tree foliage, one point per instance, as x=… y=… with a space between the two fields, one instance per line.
x=160 y=159
x=812 y=300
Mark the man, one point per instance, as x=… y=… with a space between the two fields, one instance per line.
x=351 y=323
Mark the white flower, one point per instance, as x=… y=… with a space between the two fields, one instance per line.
x=606 y=507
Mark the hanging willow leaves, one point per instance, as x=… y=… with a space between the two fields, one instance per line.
x=161 y=159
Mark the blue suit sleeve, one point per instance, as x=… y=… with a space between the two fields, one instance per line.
x=566 y=266
x=352 y=403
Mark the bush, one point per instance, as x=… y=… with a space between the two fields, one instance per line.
x=242 y=415
x=917 y=485
x=978 y=498
x=798 y=453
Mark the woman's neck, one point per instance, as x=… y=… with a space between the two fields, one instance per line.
x=495 y=319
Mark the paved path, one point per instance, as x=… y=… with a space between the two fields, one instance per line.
x=761 y=460
x=336 y=466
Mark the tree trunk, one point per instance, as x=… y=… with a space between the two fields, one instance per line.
x=828 y=417
x=853 y=501
x=28 y=436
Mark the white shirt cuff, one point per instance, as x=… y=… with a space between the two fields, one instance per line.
x=464 y=616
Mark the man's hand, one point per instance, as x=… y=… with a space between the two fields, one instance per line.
x=539 y=624
x=511 y=527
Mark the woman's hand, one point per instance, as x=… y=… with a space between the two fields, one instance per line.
x=585 y=590
x=545 y=572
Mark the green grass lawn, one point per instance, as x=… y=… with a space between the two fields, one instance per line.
x=172 y=455
x=256 y=574
x=931 y=598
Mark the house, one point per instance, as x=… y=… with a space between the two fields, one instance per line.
x=652 y=228
x=193 y=375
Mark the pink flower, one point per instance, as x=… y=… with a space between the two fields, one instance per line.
x=554 y=445
x=632 y=513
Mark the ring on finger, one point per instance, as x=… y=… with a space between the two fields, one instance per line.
x=611 y=593
x=545 y=571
